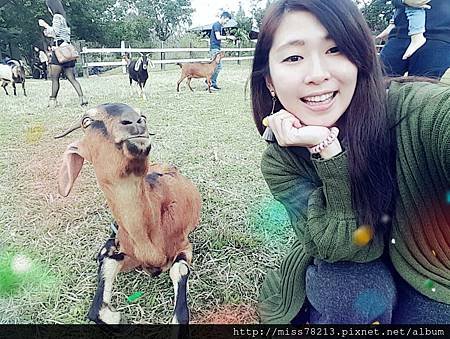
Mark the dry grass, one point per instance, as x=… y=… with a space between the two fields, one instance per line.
x=210 y=137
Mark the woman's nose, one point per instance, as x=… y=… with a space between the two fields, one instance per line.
x=317 y=71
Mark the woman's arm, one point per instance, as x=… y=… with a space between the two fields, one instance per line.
x=320 y=210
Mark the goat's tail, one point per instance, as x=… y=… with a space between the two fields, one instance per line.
x=179 y=64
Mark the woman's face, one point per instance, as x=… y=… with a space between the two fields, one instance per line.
x=311 y=78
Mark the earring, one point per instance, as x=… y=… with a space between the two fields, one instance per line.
x=268 y=133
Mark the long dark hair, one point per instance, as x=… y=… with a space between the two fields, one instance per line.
x=369 y=138
x=56 y=7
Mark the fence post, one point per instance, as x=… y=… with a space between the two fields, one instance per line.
x=163 y=57
x=239 y=52
x=83 y=61
x=190 y=52
x=122 y=54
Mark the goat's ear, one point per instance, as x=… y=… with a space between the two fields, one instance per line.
x=70 y=168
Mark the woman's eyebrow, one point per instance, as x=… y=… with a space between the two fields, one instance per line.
x=300 y=42
x=295 y=42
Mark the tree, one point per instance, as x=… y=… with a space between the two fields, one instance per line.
x=244 y=25
x=258 y=10
x=165 y=16
x=377 y=14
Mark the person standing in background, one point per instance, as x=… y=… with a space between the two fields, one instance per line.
x=60 y=32
x=430 y=60
x=216 y=38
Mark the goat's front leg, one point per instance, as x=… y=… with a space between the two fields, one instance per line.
x=179 y=273
x=14 y=88
x=4 y=84
x=23 y=87
x=141 y=85
x=110 y=263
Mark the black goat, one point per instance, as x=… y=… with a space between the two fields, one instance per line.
x=137 y=71
x=13 y=72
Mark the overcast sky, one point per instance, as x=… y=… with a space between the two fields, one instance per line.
x=206 y=10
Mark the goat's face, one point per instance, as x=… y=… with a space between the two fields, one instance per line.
x=116 y=141
x=119 y=127
x=144 y=61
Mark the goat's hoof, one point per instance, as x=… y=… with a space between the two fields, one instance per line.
x=52 y=103
x=109 y=316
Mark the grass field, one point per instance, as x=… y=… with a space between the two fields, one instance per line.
x=210 y=137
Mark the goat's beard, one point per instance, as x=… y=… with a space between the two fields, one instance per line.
x=136 y=150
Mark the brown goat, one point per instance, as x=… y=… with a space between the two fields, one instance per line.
x=199 y=70
x=154 y=206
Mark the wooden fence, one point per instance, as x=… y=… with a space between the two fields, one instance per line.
x=117 y=53
x=161 y=52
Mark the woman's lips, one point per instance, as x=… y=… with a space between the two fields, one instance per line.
x=321 y=102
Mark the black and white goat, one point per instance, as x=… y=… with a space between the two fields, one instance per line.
x=13 y=73
x=154 y=205
x=138 y=71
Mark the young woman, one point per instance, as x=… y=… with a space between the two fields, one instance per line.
x=345 y=158
x=60 y=32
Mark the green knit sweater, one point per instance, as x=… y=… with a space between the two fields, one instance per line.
x=316 y=195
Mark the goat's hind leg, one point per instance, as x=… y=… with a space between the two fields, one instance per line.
x=179 y=82
x=110 y=263
x=189 y=84
x=179 y=273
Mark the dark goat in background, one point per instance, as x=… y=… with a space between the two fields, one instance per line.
x=137 y=71
x=13 y=72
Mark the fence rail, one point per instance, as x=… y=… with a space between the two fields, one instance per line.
x=86 y=52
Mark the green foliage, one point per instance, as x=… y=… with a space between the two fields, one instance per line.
x=377 y=14
x=165 y=16
x=18 y=24
x=244 y=25
x=257 y=10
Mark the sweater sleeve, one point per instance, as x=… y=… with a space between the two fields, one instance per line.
x=322 y=219
x=320 y=210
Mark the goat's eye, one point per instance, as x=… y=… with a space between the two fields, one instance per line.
x=142 y=119
x=86 y=122
x=126 y=122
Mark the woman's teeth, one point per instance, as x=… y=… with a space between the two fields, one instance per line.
x=319 y=99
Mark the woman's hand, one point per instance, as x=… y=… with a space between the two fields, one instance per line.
x=289 y=131
x=42 y=23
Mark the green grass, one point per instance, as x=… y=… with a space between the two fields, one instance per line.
x=210 y=137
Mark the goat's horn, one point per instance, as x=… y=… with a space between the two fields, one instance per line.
x=70 y=130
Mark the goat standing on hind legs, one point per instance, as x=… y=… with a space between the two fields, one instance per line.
x=155 y=207
x=199 y=70
x=138 y=72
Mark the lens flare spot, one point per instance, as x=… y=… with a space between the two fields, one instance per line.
x=34 y=134
x=362 y=235
x=269 y=217
x=428 y=283
x=18 y=271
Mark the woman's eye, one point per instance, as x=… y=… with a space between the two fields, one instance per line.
x=293 y=58
x=333 y=50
